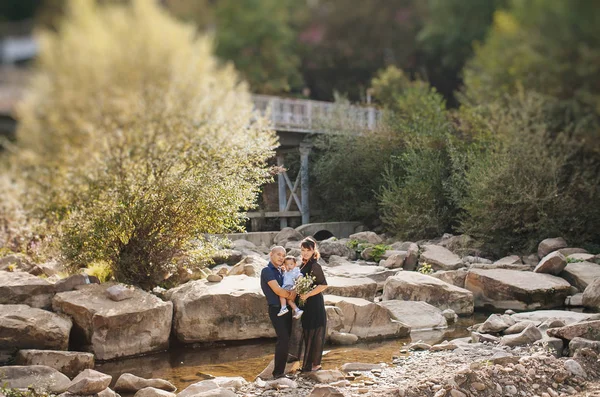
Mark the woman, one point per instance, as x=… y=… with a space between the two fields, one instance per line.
x=314 y=320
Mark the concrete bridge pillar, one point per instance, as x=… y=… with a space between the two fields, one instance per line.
x=305 y=149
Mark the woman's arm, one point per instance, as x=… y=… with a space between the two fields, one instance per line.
x=280 y=291
x=318 y=289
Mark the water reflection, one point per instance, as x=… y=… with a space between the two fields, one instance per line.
x=184 y=365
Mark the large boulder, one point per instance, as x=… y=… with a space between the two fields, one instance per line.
x=24 y=288
x=454 y=277
x=367 y=237
x=376 y=273
x=250 y=266
x=417 y=315
x=413 y=286
x=553 y=263
x=40 y=377
x=69 y=363
x=587 y=330
x=332 y=246
x=112 y=329
x=364 y=288
x=591 y=295
x=286 y=235
x=550 y=245
x=440 y=258
x=517 y=290
x=367 y=320
x=394 y=259
x=234 y=309
x=24 y=327
x=581 y=274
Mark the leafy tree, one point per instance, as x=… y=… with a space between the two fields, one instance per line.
x=137 y=141
x=345 y=43
x=414 y=199
x=450 y=29
x=535 y=75
x=258 y=36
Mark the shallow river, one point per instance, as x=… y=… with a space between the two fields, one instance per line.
x=184 y=365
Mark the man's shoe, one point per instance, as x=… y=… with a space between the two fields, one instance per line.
x=283 y=311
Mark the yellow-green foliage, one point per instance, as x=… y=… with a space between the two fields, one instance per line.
x=138 y=140
x=99 y=269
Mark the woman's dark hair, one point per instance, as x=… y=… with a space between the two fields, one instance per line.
x=310 y=244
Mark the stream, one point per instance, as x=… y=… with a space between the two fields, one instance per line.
x=184 y=365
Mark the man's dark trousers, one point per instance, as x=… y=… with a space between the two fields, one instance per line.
x=283 y=329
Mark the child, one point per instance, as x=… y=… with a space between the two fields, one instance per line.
x=289 y=279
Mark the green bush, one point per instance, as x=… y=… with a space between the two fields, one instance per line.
x=415 y=200
x=138 y=147
x=516 y=193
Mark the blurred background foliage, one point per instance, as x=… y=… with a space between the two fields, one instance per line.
x=492 y=109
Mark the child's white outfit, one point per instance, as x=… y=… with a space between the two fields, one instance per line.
x=289 y=284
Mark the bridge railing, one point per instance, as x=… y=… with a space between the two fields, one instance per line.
x=304 y=115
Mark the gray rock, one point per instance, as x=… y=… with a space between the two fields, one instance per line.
x=24 y=327
x=454 y=277
x=512 y=289
x=351 y=367
x=286 y=235
x=129 y=383
x=214 y=278
x=550 y=245
x=528 y=336
x=553 y=263
x=577 y=344
x=575 y=368
x=440 y=258
x=89 y=382
x=72 y=282
x=69 y=363
x=450 y=315
x=145 y=318
x=42 y=378
x=368 y=237
x=153 y=392
x=343 y=338
x=325 y=391
x=416 y=315
x=574 y=300
x=591 y=295
x=364 y=288
x=119 y=292
x=24 y=288
x=415 y=286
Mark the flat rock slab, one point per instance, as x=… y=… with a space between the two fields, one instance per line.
x=440 y=258
x=69 y=363
x=414 y=286
x=364 y=288
x=42 y=378
x=367 y=320
x=24 y=288
x=112 y=329
x=581 y=274
x=24 y=327
x=417 y=315
x=517 y=290
x=376 y=273
x=568 y=317
x=234 y=309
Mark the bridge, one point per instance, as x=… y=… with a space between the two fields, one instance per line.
x=295 y=120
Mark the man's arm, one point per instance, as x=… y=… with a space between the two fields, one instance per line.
x=280 y=291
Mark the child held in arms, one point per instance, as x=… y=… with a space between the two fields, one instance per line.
x=289 y=283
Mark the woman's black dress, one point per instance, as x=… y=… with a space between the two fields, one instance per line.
x=314 y=319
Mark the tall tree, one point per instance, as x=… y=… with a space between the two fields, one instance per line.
x=259 y=37
x=138 y=140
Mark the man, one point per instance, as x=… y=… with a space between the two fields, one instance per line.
x=271 y=279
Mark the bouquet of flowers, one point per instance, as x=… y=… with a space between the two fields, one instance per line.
x=304 y=285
